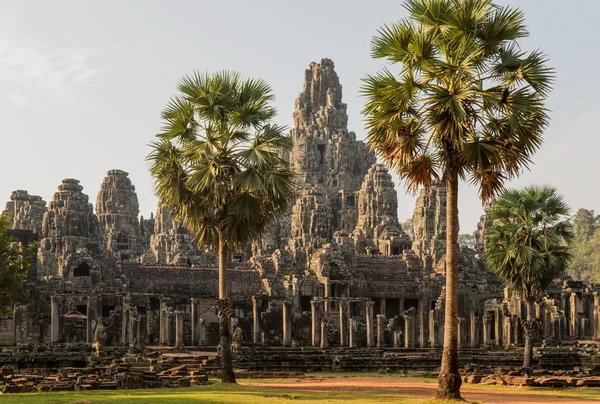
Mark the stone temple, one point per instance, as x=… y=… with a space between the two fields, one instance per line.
x=335 y=274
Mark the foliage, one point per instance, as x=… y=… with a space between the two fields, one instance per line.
x=407 y=226
x=467 y=240
x=528 y=242
x=466 y=95
x=216 y=164
x=586 y=246
x=15 y=261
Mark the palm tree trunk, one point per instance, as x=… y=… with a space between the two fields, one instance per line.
x=528 y=329
x=228 y=376
x=449 y=380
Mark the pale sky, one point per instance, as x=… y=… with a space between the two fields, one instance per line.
x=82 y=83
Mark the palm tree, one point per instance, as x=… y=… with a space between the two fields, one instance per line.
x=527 y=246
x=216 y=166
x=467 y=103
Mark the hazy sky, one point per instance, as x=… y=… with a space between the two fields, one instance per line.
x=82 y=83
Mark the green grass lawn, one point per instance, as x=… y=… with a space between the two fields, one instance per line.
x=248 y=392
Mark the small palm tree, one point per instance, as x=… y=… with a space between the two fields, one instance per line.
x=467 y=103
x=217 y=167
x=528 y=246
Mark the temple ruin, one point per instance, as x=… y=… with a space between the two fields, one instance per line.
x=337 y=273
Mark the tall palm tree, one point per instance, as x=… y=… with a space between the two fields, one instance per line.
x=216 y=166
x=527 y=246
x=466 y=103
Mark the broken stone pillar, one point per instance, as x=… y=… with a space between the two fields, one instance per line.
x=397 y=339
x=178 y=329
x=433 y=330
x=54 y=319
x=343 y=331
x=314 y=312
x=380 y=330
x=324 y=341
x=369 y=320
x=352 y=333
x=326 y=294
x=255 y=321
x=410 y=321
x=462 y=335
x=287 y=324
x=474 y=330
x=487 y=330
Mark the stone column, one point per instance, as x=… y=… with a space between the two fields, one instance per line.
x=433 y=330
x=164 y=326
x=194 y=322
x=474 y=330
x=131 y=325
x=202 y=331
x=596 y=311
x=255 y=321
x=409 y=328
x=326 y=294
x=380 y=330
x=422 y=329
x=487 y=330
x=498 y=328
x=287 y=324
x=343 y=331
x=369 y=320
x=91 y=317
x=461 y=333
x=315 y=322
x=508 y=332
x=179 y=329
x=573 y=320
x=352 y=333
x=324 y=341
x=54 y=319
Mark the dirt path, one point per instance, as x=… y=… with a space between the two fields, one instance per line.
x=419 y=389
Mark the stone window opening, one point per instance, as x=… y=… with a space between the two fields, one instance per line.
x=154 y=303
x=82 y=308
x=122 y=241
x=82 y=269
x=238 y=258
x=321 y=148
x=106 y=311
x=350 y=200
x=432 y=304
x=305 y=303
x=396 y=250
x=392 y=307
x=409 y=302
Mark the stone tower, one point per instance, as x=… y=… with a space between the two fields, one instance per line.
x=69 y=244
x=378 y=230
x=170 y=244
x=429 y=226
x=26 y=212
x=326 y=157
x=117 y=209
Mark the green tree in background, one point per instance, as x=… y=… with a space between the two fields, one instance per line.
x=465 y=101
x=217 y=168
x=15 y=261
x=528 y=246
x=586 y=246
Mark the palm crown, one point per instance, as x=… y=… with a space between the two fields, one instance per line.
x=216 y=164
x=467 y=96
x=527 y=246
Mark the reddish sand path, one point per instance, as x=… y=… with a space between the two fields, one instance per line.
x=418 y=389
